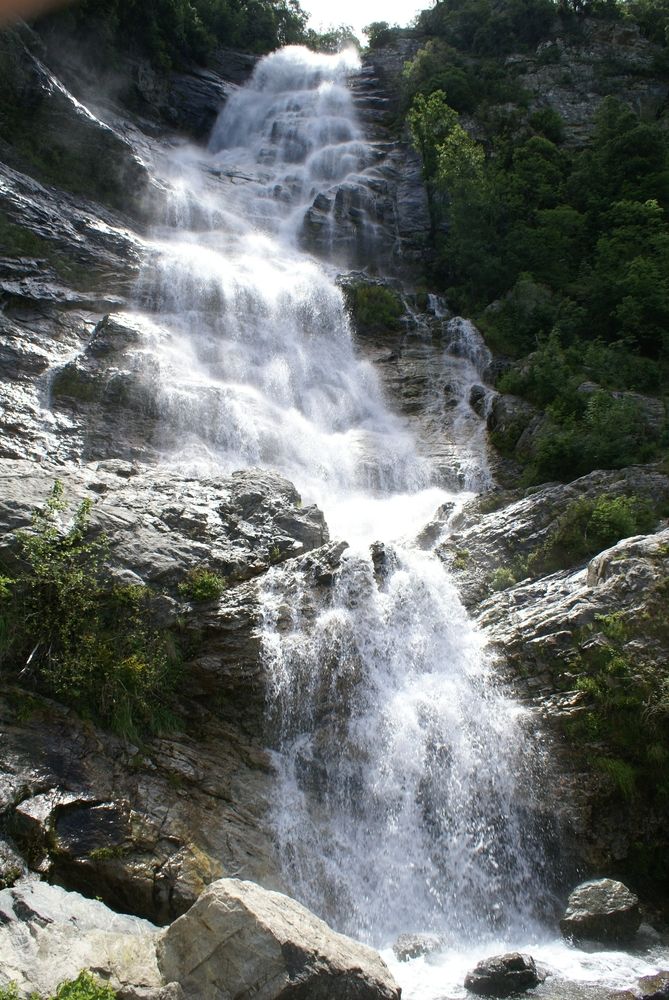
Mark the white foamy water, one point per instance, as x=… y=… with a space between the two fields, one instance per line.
x=404 y=798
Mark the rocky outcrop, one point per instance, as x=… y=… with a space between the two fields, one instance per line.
x=503 y=975
x=238 y=939
x=602 y=910
x=542 y=626
x=573 y=73
x=586 y=647
x=125 y=824
x=47 y=132
x=241 y=941
x=504 y=530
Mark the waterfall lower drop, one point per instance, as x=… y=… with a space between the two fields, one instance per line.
x=403 y=799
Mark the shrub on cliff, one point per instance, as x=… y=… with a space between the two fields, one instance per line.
x=374 y=309
x=589 y=525
x=84 y=987
x=69 y=628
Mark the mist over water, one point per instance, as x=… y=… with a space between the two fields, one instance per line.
x=404 y=795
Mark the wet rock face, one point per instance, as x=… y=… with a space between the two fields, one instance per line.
x=68 y=262
x=48 y=132
x=379 y=218
x=503 y=975
x=241 y=940
x=602 y=910
x=409 y=946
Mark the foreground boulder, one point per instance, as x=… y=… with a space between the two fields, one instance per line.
x=47 y=935
x=601 y=910
x=502 y=975
x=243 y=941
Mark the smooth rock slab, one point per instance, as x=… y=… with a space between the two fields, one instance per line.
x=241 y=941
x=502 y=975
x=601 y=910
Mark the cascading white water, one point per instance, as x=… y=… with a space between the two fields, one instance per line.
x=399 y=806
x=402 y=801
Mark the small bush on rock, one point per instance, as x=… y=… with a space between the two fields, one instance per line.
x=588 y=526
x=202 y=584
x=84 y=987
x=375 y=309
x=502 y=578
x=69 y=629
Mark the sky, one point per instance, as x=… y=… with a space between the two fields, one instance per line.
x=325 y=14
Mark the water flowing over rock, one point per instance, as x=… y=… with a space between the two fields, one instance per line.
x=602 y=910
x=344 y=737
x=236 y=350
x=240 y=940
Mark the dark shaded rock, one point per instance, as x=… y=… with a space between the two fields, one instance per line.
x=12 y=866
x=503 y=975
x=409 y=946
x=232 y=65
x=195 y=100
x=478 y=400
x=384 y=561
x=601 y=910
x=244 y=941
x=59 y=140
x=507 y=419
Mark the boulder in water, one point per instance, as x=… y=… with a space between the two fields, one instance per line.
x=601 y=910
x=654 y=987
x=410 y=946
x=241 y=940
x=502 y=975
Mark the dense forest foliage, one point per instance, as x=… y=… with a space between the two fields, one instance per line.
x=559 y=249
x=174 y=32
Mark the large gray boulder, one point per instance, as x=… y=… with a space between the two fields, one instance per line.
x=502 y=975
x=601 y=910
x=242 y=941
x=48 y=935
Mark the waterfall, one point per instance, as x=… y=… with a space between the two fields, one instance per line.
x=403 y=797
